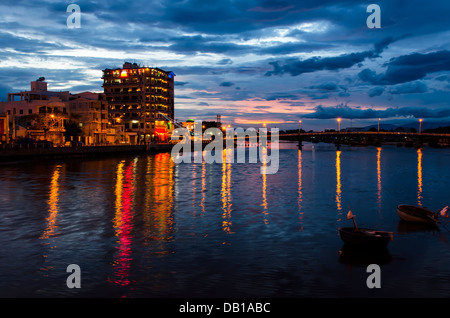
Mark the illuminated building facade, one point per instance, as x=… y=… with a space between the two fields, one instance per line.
x=38 y=113
x=141 y=100
x=91 y=111
x=4 y=128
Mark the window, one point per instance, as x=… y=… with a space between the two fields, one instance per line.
x=21 y=112
x=30 y=111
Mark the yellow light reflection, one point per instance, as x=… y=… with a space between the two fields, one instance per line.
x=52 y=204
x=300 y=191
x=202 y=203
x=118 y=193
x=338 y=181
x=161 y=185
x=226 y=194
x=194 y=177
x=419 y=177
x=379 y=177
x=264 y=185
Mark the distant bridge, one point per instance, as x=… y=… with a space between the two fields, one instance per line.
x=370 y=138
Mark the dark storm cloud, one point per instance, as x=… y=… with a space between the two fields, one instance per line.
x=224 y=62
x=296 y=67
x=409 y=88
x=198 y=43
x=406 y=68
x=193 y=44
x=226 y=84
x=345 y=111
x=376 y=91
x=326 y=86
x=232 y=17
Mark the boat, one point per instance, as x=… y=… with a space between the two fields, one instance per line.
x=365 y=238
x=417 y=214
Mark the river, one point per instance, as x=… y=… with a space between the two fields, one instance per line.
x=143 y=226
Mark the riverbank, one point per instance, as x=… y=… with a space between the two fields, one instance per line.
x=15 y=153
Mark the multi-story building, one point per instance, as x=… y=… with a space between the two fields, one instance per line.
x=37 y=113
x=141 y=100
x=43 y=114
x=90 y=110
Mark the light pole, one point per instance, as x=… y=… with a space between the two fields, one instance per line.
x=339 y=124
x=420 y=125
x=379 y=124
x=300 y=145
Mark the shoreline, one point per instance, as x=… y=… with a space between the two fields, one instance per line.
x=79 y=152
x=13 y=154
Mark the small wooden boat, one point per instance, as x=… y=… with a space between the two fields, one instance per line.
x=365 y=238
x=417 y=214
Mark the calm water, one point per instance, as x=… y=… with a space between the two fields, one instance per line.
x=141 y=226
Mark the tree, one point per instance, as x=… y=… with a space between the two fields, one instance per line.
x=73 y=129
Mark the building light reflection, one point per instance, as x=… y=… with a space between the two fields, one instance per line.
x=419 y=177
x=53 y=210
x=202 y=203
x=52 y=204
x=379 y=177
x=226 y=194
x=338 y=181
x=300 y=190
x=264 y=185
x=194 y=180
x=123 y=221
x=163 y=188
x=159 y=197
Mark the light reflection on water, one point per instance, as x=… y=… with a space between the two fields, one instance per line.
x=142 y=226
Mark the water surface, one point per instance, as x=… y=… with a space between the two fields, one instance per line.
x=142 y=226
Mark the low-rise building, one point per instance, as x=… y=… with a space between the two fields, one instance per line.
x=39 y=111
x=90 y=111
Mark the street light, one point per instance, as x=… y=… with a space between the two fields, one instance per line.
x=299 y=126
x=420 y=125
x=339 y=124
x=379 y=124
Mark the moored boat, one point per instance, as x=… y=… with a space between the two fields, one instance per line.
x=365 y=238
x=417 y=214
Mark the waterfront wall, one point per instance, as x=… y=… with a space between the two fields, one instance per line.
x=11 y=153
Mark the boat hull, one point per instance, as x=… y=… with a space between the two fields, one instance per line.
x=364 y=238
x=415 y=214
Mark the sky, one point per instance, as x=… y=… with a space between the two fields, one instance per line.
x=252 y=62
